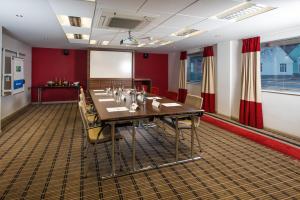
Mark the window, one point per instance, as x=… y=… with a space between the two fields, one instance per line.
x=282 y=67
x=280 y=62
x=194 y=67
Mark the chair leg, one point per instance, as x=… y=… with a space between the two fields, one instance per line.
x=85 y=143
x=86 y=148
x=88 y=161
x=181 y=133
x=198 y=140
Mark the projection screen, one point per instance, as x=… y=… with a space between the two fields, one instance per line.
x=110 y=64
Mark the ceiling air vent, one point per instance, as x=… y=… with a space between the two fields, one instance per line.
x=106 y=19
x=123 y=23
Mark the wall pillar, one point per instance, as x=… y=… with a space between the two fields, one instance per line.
x=228 y=76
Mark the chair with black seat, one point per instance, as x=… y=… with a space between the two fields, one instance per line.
x=96 y=135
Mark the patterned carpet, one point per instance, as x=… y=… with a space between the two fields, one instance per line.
x=42 y=157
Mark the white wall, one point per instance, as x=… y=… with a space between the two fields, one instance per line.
x=228 y=81
x=223 y=71
x=0 y=71
x=236 y=70
x=281 y=112
x=11 y=104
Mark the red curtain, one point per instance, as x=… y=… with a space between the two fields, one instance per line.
x=183 y=55
x=208 y=80
x=250 y=105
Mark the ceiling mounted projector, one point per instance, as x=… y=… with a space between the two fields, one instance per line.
x=130 y=41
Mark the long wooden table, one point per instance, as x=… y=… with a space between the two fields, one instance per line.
x=145 y=111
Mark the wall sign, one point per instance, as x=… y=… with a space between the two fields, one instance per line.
x=18 y=74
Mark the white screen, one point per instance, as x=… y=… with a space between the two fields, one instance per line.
x=110 y=64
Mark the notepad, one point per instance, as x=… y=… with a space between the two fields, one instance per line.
x=117 y=109
x=101 y=100
x=171 y=104
x=153 y=98
x=98 y=90
x=100 y=94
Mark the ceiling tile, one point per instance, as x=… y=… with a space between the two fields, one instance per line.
x=73 y=8
x=161 y=31
x=102 y=34
x=165 y=6
x=180 y=21
x=73 y=29
x=208 y=8
x=209 y=24
x=125 y=5
x=79 y=41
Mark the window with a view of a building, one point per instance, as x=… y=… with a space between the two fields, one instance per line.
x=194 y=67
x=280 y=66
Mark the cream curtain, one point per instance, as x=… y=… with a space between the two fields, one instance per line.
x=182 y=74
x=182 y=70
x=208 y=80
x=250 y=104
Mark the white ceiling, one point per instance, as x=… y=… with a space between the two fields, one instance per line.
x=39 y=26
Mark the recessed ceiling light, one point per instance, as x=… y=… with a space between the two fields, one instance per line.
x=86 y=22
x=93 y=41
x=154 y=42
x=141 y=45
x=186 y=33
x=243 y=11
x=70 y=35
x=77 y=36
x=85 y=37
x=105 y=42
x=63 y=20
x=165 y=43
x=83 y=22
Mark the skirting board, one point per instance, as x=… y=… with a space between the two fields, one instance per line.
x=55 y=102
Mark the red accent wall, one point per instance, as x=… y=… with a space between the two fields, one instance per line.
x=48 y=64
x=154 y=67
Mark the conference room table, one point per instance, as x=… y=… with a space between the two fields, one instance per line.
x=114 y=113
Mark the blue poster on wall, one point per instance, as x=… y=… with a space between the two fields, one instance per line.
x=19 y=84
x=18 y=73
